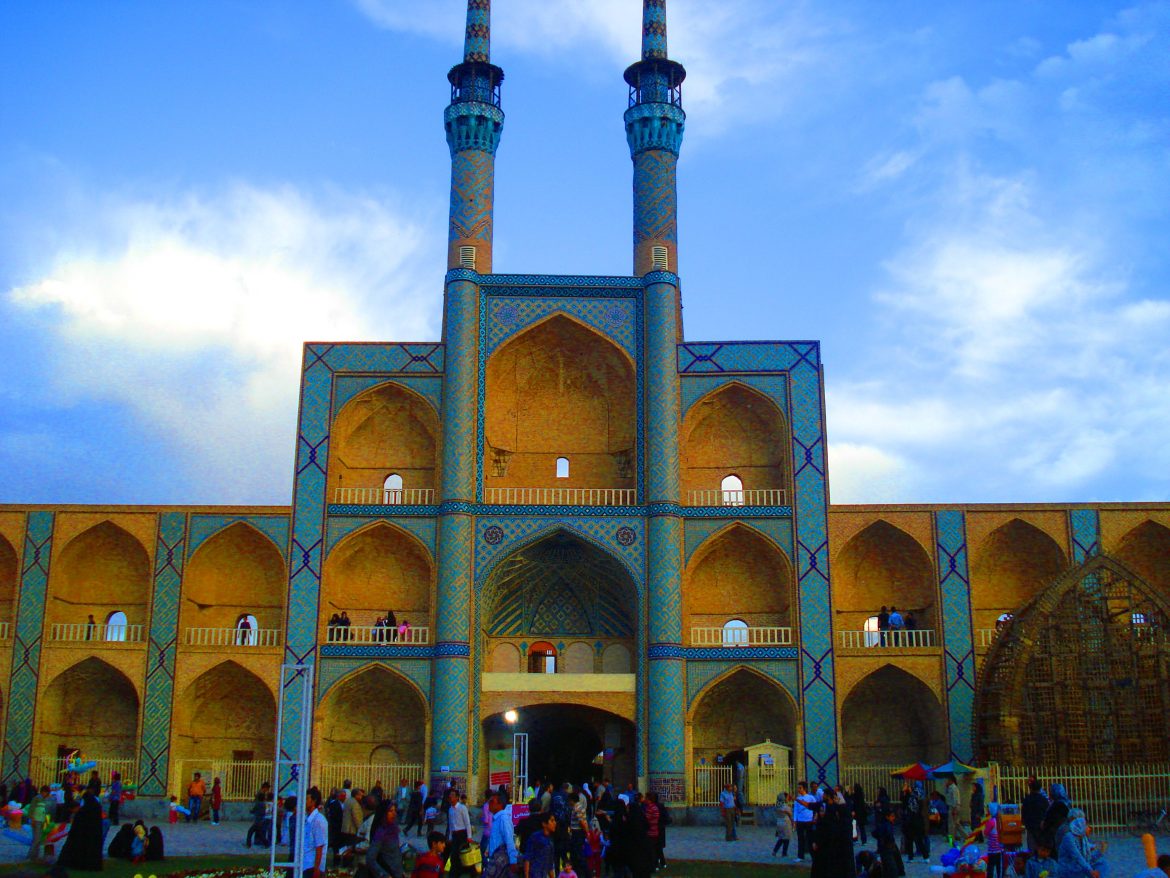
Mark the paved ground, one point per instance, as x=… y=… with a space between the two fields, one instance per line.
x=683 y=843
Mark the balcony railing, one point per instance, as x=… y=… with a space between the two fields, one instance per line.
x=913 y=638
x=762 y=636
x=719 y=497
x=82 y=632
x=560 y=496
x=984 y=637
x=384 y=496
x=233 y=637
x=419 y=636
x=5 y=630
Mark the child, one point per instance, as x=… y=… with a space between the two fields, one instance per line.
x=994 y=846
x=887 y=844
x=216 y=801
x=173 y=813
x=1041 y=865
x=594 y=844
x=430 y=864
x=567 y=871
x=138 y=844
x=432 y=814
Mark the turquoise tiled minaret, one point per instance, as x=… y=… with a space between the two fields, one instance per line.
x=474 y=122
x=654 y=128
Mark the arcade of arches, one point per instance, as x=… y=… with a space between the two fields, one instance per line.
x=560 y=390
x=741 y=710
x=883 y=566
x=101 y=571
x=91 y=706
x=735 y=430
x=226 y=711
x=236 y=572
x=891 y=716
x=742 y=569
x=377 y=569
x=372 y=717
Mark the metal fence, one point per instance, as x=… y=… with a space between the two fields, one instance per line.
x=328 y=775
x=239 y=780
x=709 y=783
x=766 y=782
x=50 y=769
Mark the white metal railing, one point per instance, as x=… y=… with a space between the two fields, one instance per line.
x=984 y=637
x=384 y=496
x=51 y=769
x=5 y=630
x=561 y=496
x=233 y=637
x=413 y=636
x=239 y=780
x=766 y=782
x=762 y=636
x=907 y=638
x=709 y=783
x=80 y=632
x=720 y=497
x=327 y=775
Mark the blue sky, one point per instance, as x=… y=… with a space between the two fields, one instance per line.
x=967 y=203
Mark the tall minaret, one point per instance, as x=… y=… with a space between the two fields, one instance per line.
x=473 y=122
x=654 y=129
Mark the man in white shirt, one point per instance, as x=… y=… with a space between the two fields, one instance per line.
x=802 y=815
x=458 y=831
x=315 y=838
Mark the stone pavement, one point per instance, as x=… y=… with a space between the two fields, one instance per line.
x=683 y=843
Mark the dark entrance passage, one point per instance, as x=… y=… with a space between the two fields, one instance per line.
x=569 y=742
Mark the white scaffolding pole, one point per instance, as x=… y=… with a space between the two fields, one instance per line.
x=291 y=677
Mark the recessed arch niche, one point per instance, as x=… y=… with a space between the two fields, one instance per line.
x=740 y=710
x=882 y=565
x=100 y=571
x=225 y=711
x=235 y=572
x=891 y=716
x=735 y=430
x=91 y=706
x=1146 y=551
x=737 y=574
x=373 y=714
x=385 y=430
x=557 y=390
x=1012 y=565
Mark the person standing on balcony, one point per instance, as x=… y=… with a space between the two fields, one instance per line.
x=244 y=629
x=404 y=631
x=344 y=622
x=392 y=624
x=909 y=623
x=883 y=622
x=897 y=623
x=89 y=627
x=196 y=790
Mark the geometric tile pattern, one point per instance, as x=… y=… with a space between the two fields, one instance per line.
x=613 y=318
x=662 y=395
x=341 y=526
x=477 y=42
x=346 y=387
x=275 y=527
x=450 y=717
x=774 y=387
x=700 y=674
x=1085 y=526
x=664 y=579
x=451 y=701
x=26 y=645
x=667 y=694
x=958 y=640
x=747 y=356
x=160 y=652
x=333 y=670
x=776 y=530
x=460 y=396
x=655 y=201
x=653 y=29
x=472 y=192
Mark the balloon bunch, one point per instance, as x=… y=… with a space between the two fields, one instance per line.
x=967 y=860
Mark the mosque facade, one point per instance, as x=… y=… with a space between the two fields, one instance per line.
x=577 y=513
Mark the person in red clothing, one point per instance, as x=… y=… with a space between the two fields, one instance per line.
x=430 y=864
x=216 y=801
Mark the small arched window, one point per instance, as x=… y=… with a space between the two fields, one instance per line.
x=735 y=633
x=247 y=630
x=562 y=467
x=872 y=635
x=392 y=490
x=542 y=658
x=732 y=487
x=116 y=626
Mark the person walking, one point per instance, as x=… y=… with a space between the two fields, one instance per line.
x=258 y=811
x=500 y=849
x=40 y=809
x=384 y=855
x=316 y=835
x=458 y=832
x=784 y=828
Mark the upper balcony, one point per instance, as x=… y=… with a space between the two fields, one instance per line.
x=561 y=496
x=742 y=635
x=909 y=640
x=732 y=497
x=95 y=633
x=384 y=496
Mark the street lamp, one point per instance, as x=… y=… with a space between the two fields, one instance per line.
x=511 y=716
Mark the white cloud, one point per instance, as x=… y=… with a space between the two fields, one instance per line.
x=192 y=311
x=858 y=471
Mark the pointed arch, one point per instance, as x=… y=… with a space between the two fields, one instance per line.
x=386 y=429
x=9 y=576
x=238 y=570
x=92 y=706
x=103 y=569
x=375 y=570
x=737 y=573
x=560 y=389
x=883 y=565
x=735 y=430
x=1146 y=551
x=226 y=710
x=1090 y=650
x=374 y=713
x=484 y=575
x=892 y=716
x=1012 y=565
x=739 y=708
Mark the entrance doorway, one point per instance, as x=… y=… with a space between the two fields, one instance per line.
x=569 y=743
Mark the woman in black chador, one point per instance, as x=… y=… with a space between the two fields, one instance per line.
x=83 y=844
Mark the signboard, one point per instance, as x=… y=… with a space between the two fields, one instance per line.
x=519 y=812
x=499 y=768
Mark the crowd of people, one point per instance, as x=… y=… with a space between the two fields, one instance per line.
x=891 y=622
x=386 y=629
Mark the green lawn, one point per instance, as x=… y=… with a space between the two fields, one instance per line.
x=123 y=869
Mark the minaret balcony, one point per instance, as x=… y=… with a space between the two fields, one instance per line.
x=732 y=498
x=560 y=496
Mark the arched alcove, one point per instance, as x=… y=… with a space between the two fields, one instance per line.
x=737 y=574
x=100 y=571
x=235 y=572
x=9 y=575
x=560 y=390
x=505 y=659
x=578 y=658
x=386 y=430
x=91 y=706
x=738 y=431
x=1010 y=567
x=375 y=709
x=377 y=570
x=892 y=717
x=1146 y=551
x=882 y=565
x=226 y=713
x=738 y=711
x=615 y=659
